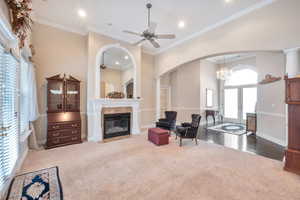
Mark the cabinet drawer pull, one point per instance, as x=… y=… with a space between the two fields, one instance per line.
x=56 y=141
x=56 y=134
x=73 y=132
x=74 y=125
x=55 y=127
x=74 y=138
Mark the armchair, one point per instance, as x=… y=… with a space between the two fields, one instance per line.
x=169 y=122
x=189 y=130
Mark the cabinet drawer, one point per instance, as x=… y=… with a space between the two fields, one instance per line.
x=63 y=140
x=65 y=125
x=72 y=125
x=64 y=133
x=55 y=126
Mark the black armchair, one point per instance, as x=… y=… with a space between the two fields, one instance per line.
x=169 y=122
x=189 y=130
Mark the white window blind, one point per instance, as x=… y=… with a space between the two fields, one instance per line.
x=24 y=97
x=9 y=122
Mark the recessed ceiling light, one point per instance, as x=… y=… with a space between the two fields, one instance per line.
x=117 y=63
x=126 y=57
x=228 y=1
x=81 y=13
x=181 y=24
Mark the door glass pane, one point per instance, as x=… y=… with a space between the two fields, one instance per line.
x=231 y=103
x=249 y=100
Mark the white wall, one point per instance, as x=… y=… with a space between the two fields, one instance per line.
x=271 y=109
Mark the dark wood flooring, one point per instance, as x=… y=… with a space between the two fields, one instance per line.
x=246 y=143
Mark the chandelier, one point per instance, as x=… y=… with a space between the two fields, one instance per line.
x=223 y=73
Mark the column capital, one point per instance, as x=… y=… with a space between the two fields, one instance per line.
x=286 y=51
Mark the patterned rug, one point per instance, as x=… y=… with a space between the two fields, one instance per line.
x=39 y=185
x=231 y=128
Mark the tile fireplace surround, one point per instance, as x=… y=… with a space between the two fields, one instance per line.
x=95 y=115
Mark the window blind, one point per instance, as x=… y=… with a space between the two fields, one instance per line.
x=24 y=97
x=9 y=122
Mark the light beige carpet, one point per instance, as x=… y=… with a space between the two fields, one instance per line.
x=135 y=169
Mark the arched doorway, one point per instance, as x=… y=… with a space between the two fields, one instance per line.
x=99 y=61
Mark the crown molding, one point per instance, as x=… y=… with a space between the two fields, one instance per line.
x=218 y=24
x=159 y=51
x=59 y=26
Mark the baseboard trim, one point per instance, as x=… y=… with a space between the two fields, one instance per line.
x=148 y=126
x=272 y=139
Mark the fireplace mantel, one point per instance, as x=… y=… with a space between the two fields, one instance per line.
x=95 y=131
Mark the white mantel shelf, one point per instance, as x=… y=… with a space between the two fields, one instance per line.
x=95 y=106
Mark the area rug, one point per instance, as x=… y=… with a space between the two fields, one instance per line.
x=231 y=128
x=39 y=185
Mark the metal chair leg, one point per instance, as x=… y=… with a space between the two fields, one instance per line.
x=180 y=144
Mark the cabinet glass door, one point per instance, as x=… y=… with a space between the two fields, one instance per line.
x=55 y=96
x=72 y=96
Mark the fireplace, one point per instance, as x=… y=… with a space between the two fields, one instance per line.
x=116 y=125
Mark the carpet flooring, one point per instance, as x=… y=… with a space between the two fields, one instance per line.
x=134 y=169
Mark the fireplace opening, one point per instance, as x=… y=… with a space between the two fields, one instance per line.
x=116 y=125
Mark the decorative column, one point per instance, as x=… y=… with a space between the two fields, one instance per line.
x=135 y=123
x=157 y=98
x=292 y=62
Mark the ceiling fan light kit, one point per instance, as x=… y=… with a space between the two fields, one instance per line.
x=149 y=33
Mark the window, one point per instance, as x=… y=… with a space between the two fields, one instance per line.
x=24 y=97
x=9 y=123
x=244 y=76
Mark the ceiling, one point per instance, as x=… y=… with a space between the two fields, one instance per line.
x=116 y=58
x=111 y=17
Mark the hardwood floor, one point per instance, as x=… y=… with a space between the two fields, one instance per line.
x=244 y=143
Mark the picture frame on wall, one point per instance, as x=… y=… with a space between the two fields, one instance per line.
x=209 y=98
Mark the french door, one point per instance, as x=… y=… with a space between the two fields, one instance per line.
x=238 y=101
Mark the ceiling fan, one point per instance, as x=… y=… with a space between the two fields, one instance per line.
x=149 y=33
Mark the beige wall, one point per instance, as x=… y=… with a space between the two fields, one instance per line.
x=208 y=80
x=67 y=52
x=185 y=90
x=270 y=28
x=148 y=91
x=58 y=52
x=112 y=77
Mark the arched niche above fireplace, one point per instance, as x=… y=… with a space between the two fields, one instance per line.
x=115 y=73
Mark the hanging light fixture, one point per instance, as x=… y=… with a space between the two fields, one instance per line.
x=223 y=73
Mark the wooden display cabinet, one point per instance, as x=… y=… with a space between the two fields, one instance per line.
x=63 y=113
x=292 y=154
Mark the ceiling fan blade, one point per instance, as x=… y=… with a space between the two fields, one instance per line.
x=165 y=36
x=152 y=27
x=154 y=43
x=133 y=33
x=139 y=42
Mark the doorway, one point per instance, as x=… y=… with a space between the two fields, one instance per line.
x=238 y=101
x=240 y=94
